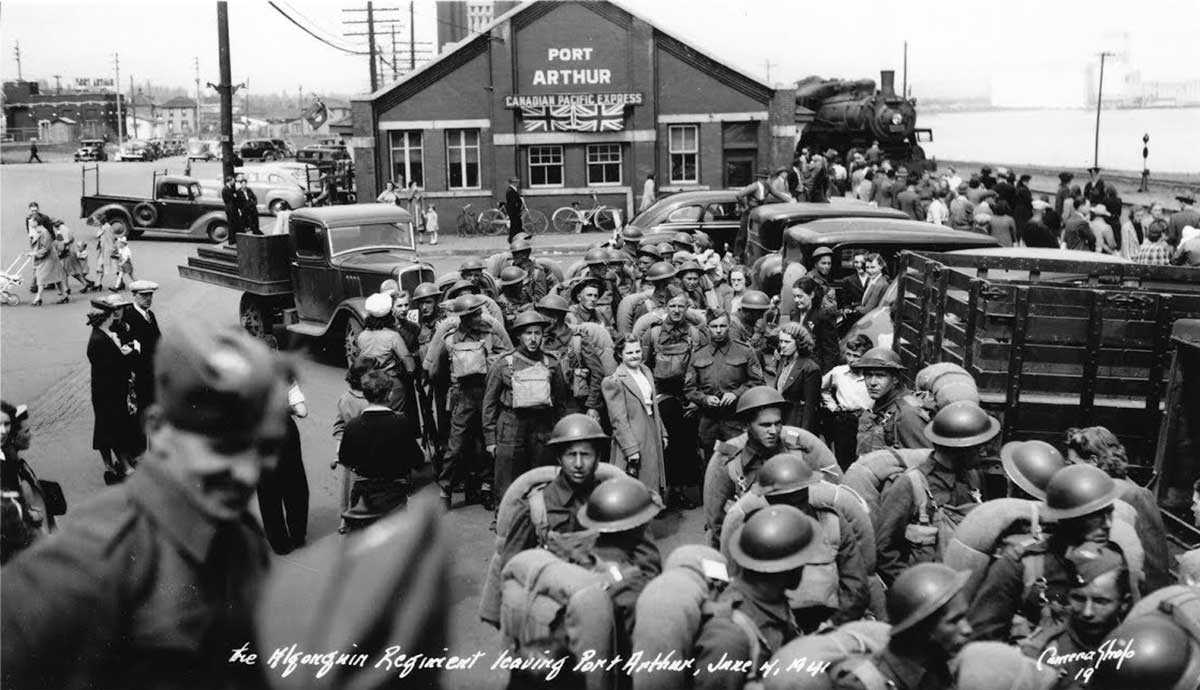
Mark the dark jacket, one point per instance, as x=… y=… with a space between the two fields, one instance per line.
x=233 y=212
x=822 y=324
x=730 y=367
x=380 y=444
x=115 y=427
x=146 y=332
x=802 y=389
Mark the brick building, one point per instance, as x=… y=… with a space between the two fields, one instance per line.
x=26 y=110
x=572 y=98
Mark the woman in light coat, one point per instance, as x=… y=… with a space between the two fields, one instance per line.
x=107 y=266
x=639 y=437
x=47 y=266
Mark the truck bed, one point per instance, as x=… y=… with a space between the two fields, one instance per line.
x=219 y=266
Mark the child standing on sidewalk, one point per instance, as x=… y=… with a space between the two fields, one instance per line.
x=431 y=223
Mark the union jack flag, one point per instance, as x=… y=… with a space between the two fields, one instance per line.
x=574 y=118
x=555 y=118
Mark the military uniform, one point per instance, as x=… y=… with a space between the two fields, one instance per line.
x=577 y=314
x=896 y=672
x=716 y=369
x=538 y=282
x=520 y=433
x=904 y=536
x=582 y=367
x=562 y=500
x=512 y=305
x=667 y=349
x=721 y=636
x=895 y=421
x=1065 y=642
x=139 y=589
x=754 y=335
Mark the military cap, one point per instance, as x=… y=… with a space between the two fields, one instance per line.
x=425 y=291
x=466 y=304
x=530 y=317
x=581 y=283
x=683 y=238
x=472 y=264
x=619 y=504
x=460 y=285
x=221 y=383
x=1090 y=561
x=143 y=286
x=689 y=267
x=666 y=249
x=776 y=539
x=520 y=245
x=631 y=233
x=554 y=302
x=650 y=250
x=511 y=275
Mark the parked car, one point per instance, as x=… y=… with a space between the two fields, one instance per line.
x=136 y=150
x=715 y=213
x=176 y=203
x=306 y=175
x=198 y=150
x=284 y=147
x=274 y=190
x=255 y=149
x=90 y=150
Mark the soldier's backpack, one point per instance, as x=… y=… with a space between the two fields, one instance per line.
x=872 y=472
x=467 y=357
x=673 y=608
x=531 y=385
x=587 y=340
x=671 y=360
x=527 y=489
x=1181 y=604
x=551 y=609
x=934 y=529
x=813 y=662
x=814 y=451
x=998 y=666
x=985 y=531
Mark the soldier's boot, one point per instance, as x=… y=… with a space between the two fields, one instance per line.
x=486 y=498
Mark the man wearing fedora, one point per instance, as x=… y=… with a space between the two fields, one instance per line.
x=514 y=204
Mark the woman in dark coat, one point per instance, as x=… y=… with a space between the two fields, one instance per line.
x=797 y=376
x=112 y=359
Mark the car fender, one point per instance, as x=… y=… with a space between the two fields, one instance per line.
x=114 y=210
x=351 y=306
x=294 y=198
x=200 y=225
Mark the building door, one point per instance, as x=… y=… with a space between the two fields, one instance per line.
x=739 y=168
x=739 y=143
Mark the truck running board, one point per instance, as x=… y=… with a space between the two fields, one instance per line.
x=312 y=329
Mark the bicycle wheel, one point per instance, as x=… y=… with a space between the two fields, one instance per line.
x=604 y=219
x=567 y=220
x=492 y=222
x=534 y=221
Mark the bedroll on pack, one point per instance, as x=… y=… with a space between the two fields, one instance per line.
x=982 y=533
x=550 y=609
x=671 y=610
x=872 y=472
x=1182 y=604
x=998 y=666
x=811 y=662
x=940 y=384
x=627 y=310
x=816 y=454
x=522 y=491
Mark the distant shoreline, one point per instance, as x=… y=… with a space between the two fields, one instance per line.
x=925 y=109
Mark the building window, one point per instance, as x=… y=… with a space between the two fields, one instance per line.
x=604 y=164
x=407 y=163
x=545 y=166
x=685 y=153
x=462 y=158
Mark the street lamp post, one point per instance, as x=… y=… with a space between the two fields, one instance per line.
x=1145 y=186
x=1099 y=102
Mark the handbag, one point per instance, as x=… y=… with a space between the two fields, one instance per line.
x=53 y=498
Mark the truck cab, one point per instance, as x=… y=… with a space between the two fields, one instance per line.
x=768 y=224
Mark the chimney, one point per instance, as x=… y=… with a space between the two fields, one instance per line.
x=887 y=83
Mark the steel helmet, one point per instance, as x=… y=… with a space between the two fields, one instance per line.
x=961 y=425
x=690 y=267
x=529 y=317
x=683 y=238
x=619 y=504
x=666 y=249
x=631 y=233
x=876 y=358
x=576 y=427
x=757 y=398
x=425 y=291
x=650 y=250
x=661 y=270
x=616 y=256
x=466 y=304
x=1031 y=464
x=775 y=539
x=595 y=257
x=511 y=275
x=1078 y=490
x=472 y=264
x=459 y=286
x=554 y=303
x=920 y=591
x=1161 y=653
x=520 y=245
x=784 y=474
x=756 y=300
x=445 y=280
x=378 y=305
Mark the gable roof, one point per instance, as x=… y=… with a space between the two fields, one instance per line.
x=179 y=102
x=525 y=6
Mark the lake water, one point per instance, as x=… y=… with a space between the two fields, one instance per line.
x=1066 y=137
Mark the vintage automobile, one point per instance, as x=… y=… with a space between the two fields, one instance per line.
x=256 y=149
x=176 y=205
x=768 y=224
x=136 y=150
x=284 y=147
x=198 y=150
x=715 y=213
x=304 y=175
x=90 y=150
x=274 y=191
x=314 y=280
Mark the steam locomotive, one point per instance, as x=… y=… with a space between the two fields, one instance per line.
x=848 y=114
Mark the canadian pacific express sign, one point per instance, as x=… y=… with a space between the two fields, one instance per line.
x=571 y=69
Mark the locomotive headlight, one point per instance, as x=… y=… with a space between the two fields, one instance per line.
x=897 y=119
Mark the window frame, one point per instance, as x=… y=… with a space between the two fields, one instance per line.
x=465 y=148
x=619 y=162
x=694 y=152
x=407 y=150
x=545 y=149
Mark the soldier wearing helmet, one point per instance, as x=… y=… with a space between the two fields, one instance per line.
x=661 y=279
x=1034 y=582
x=771 y=549
x=896 y=419
x=426 y=302
x=695 y=286
x=919 y=511
x=514 y=296
x=621 y=274
x=647 y=256
x=1160 y=641
x=539 y=281
x=928 y=612
x=720 y=372
x=218 y=421
x=473 y=270
x=524 y=391
x=735 y=463
x=585 y=352
x=585 y=293
x=751 y=323
x=464 y=354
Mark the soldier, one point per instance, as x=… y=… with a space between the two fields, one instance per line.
x=735 y=463
x=620 y=274
x=491 y=308
x=1034 y=581
x=683 y=242
x=585 y=302
x=749 y=325
x=539 y=281
x=660 y=276
x=920 y=509
x=896 y=419
x=720 y=372
x=466 y=352
x=1097 y=602
x=158 y=577
x=751 y=619
x=585 y=360
x=432 y=394
x=647 y=256
x=929 y=627
x=1029 y=465
x=690 y=279
x=473 y=270
x=514 y=296
x=524 y=393
x=1159 y=647
x=629 y=242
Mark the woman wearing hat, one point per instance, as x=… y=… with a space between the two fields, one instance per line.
x=114 y=402
x=74 y=256
x=47 y=267
x=381 y=342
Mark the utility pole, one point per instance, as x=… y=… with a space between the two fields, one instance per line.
x=57 y=83
x=768 y=64
x=17 y=50
x=371 y=44
x=374 y=54
x=225 y=89
x=1099 y=103
x=412 y=42
x=117 y=93
x=196 y=124
x=904 y=74
x=395 y=67
x=133 y=107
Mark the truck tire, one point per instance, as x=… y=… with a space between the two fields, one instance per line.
x=218 y=231
x=145 y=215
x=259 y=317
x=120 y=225
x=350 y=330
x=279 y=205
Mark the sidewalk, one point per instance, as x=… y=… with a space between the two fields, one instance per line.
x=484 y=246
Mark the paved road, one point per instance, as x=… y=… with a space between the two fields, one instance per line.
x=43 y=365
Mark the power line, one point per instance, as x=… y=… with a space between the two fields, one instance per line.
x=308 y=31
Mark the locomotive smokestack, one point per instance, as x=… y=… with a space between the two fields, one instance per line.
x=887 y=83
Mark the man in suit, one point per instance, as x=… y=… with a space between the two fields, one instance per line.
x=233 y=212
x=143 y=327
x=514 y=204
x=876 y=285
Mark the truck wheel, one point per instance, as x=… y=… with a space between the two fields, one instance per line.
x=145 y=215
x=353 y=327
x=218 y=232
x=259 y=319
x=279 y=205
x=119 y=225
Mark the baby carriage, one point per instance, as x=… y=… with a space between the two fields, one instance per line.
x=10 y=279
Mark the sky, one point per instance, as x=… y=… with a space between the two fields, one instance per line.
x=956 y=50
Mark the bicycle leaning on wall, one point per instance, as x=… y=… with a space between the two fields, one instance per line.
x=572 y=219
